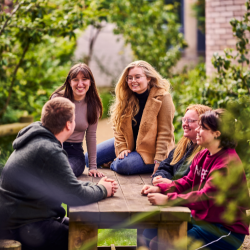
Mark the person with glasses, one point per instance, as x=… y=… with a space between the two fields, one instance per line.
x=178 y=162
x=215 y=189
x=142 y=118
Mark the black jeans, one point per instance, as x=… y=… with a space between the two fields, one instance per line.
x=48 y=234
x=76 y=157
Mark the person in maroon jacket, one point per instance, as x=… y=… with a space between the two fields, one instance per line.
x=199 y=190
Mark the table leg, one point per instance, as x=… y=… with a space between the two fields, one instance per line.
x=82 y=236
x=172 y=233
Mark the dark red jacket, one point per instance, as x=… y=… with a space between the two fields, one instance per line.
x=199 y=190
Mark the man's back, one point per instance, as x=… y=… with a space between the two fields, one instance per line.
x=37 y=178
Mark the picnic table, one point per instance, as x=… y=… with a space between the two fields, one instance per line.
x=126 y=209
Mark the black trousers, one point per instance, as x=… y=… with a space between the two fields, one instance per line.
x=49 y=234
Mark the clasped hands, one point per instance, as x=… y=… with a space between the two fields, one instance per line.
x=154 y=195
x=110 y=185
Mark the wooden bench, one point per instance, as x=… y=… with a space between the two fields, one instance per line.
x=10 y=245
x=127 y=209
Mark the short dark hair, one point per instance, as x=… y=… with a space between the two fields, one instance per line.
x=55 y=114
x=215 y=120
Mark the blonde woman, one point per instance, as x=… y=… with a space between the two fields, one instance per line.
x=179 y=160
x=177 y=165
x=142 y=117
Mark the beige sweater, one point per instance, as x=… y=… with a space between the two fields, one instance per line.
x=82 y=127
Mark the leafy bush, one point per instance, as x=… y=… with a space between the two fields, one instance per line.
x=229 y=88
x=189 y=87
x=107 y=98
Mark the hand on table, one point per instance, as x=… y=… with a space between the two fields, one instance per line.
x=159 y=179
x=124 y=153
x=95 y=173
x=155 y=168
x=110 y=185
x=150 y=189
x=158 y=199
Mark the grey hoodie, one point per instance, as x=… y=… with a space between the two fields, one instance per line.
x=37 y=178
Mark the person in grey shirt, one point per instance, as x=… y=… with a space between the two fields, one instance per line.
x=37 y=179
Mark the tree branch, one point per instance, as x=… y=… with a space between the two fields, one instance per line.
x=13 y=79
x=7 y=20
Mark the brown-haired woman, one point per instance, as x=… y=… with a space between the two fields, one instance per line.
x=215 y=190
x=180 y=158
x=80 y=88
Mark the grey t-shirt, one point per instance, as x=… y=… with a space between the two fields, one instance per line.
x=82 y=128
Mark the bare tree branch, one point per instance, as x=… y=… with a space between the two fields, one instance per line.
x=13 y=79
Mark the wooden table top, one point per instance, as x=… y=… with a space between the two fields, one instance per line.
x=127 y=207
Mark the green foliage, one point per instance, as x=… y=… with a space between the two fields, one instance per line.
x=121 y=237
x=5 y=149
x=230 y=88
x=35 y=52
x=152 y=30
x=199 y=9
x=189 y=87
x=106 y=97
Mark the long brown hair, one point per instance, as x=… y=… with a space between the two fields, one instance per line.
x=126 y=104
x=92 y=98
x=184 y=142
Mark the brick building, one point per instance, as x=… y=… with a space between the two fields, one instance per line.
x=219 y=33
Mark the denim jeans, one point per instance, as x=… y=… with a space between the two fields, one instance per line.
x=215 y=236
x=131 y=164
x=48 y=234
x=75 y=156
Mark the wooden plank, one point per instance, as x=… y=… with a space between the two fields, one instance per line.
x=10 y=245
x=129 y=179
x=146 y=178
x=85 y=213
x=85 y=176
x=82 y=235
x=175 y=214
x=107 y=171
x=172 y=233
x=114 y=208
x=112 y=247
x=12 y=129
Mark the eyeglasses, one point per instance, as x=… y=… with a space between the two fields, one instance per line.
x=129 y=79
x=187 y=120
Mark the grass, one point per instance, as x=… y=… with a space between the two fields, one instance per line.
x=121 y=237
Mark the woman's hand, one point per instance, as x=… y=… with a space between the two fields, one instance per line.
x=155 y=168
x=124 y=153
x=159 y=179
x=95 y=173
x=150 y=189
x=158 y=199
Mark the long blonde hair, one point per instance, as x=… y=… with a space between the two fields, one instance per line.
x=184 y=142
x=126 y=104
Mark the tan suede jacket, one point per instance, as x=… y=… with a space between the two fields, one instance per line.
x=156 y=133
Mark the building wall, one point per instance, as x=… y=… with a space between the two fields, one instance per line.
x=219 y=33
x=110 y=55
